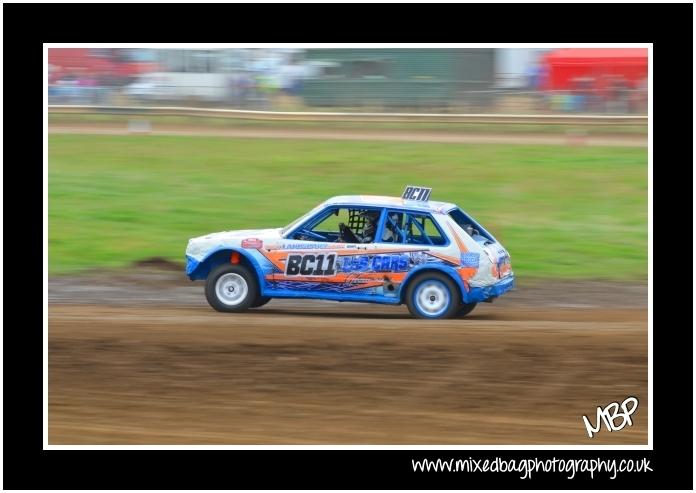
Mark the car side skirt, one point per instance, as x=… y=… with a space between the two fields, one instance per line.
x=384 y=300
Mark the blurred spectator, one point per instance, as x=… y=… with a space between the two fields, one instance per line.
x=247 y=87
x=583 y=89
x=534 y=77
x=235 y=90
x=537 y=81
x=642 y=91
x=618 y=94
x=602 y=92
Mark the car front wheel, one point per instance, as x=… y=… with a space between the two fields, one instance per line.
x=231 y=288
x=433 y=295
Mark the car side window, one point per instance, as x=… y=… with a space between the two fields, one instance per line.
x=391 y=232
x=324 y=227
x=331 y=222
x=341 y=224
x=411 y=228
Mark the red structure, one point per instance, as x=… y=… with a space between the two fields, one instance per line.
x=564 y=67
x=94 y=62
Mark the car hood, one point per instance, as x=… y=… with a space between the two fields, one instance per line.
x=201 y=246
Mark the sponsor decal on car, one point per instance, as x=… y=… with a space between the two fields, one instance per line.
x=309 y=264
x=306 y=246
x=374 y=263
x=469 y=259
x=416 y=193
x=252 y=243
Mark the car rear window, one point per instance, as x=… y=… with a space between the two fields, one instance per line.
x=466 y=222
x=412 y=228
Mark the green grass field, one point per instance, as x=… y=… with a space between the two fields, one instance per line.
x=570 y=212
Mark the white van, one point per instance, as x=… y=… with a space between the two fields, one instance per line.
x=179 y=86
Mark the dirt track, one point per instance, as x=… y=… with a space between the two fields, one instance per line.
x=342 y=134
x=519 y=371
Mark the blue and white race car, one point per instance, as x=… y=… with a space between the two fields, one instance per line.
x=432 y=256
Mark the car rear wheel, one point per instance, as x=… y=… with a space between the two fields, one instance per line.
x=260 y=301
x=466 y=309
x=433 y=295
x=231 y=288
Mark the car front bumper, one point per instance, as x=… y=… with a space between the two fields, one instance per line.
x=191 y=265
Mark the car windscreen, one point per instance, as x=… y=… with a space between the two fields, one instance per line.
x=301 y=219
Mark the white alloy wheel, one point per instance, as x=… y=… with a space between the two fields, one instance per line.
x=432 y=298
x=231 y=289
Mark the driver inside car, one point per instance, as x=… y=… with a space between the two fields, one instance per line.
x=371 y=220
x=368 y=234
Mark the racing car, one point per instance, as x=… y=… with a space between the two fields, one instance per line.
x=431 y=256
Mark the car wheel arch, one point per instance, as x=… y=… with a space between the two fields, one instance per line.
x=223 y=255
x=414 y=273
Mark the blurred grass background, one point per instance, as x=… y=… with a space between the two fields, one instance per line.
x=565 y=212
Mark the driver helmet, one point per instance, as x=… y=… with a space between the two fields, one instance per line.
x=371 y=218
